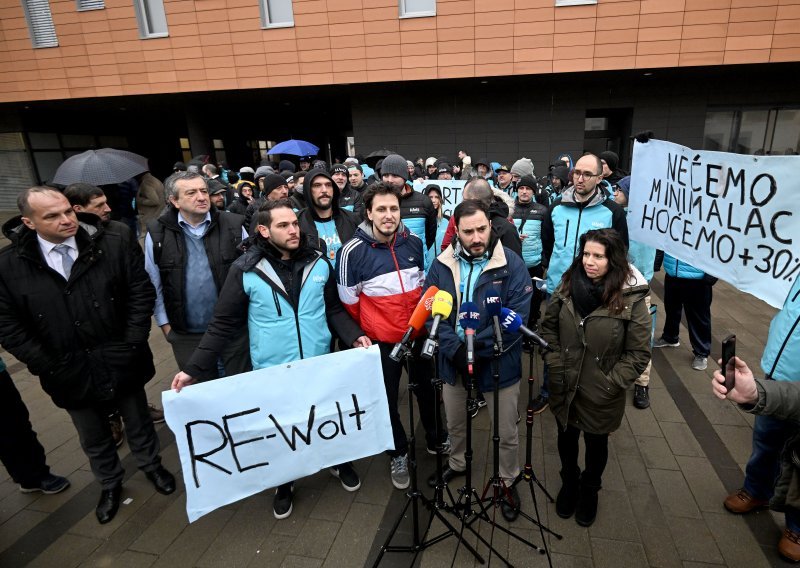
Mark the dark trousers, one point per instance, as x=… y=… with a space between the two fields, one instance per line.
x=20 y=450
x=596 y=454
x=98 y=444
x=537 y=297
x=694 y=298
x=420 y=374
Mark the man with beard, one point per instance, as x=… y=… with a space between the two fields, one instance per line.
x=416 y=210
x=380 y=274
x=87 y=198
x=280 y=284
x=323 y=219
x=476 y=263
x=349 y=198
x=355 y=176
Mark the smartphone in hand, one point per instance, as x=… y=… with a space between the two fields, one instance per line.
x=728 y=354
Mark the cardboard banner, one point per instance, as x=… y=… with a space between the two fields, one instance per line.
x=240 y=435
x=730 y=215
x=451 y=192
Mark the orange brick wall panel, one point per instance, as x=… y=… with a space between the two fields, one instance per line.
x=532 y=67
x=611 y=63
x=457 y=72
x=570 y=40
x=747 y=43
x=705 y=30
x=751 y=28
x=611 y=51
x=751 y=56
x=786 y=41
x=539 y=54
x=781 y=55
x=572 y=65
x=704 y=58
x=618 y=23
x=660 y=20
x=706 y=17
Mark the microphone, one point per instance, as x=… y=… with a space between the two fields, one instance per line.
x=468 y=319
x=441 y=307
x=493 y=307
x=415 y=323
x=513 y=323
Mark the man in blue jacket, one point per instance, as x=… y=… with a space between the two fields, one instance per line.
x=280 y=284
x=770 y=433
x=468 y=269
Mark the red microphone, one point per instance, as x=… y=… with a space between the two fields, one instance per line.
x=415 y=323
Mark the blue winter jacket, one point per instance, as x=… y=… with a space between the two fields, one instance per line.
x=284 y=325
x=782 y=353
x=680 y=269
x=567 y=221
x=505 y=273
x=528 y=219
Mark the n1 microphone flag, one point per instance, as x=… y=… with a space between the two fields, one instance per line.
x=511 y=321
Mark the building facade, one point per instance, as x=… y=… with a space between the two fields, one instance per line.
x=498 y=78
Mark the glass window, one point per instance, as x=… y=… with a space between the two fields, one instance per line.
x=83 y=141
x=574 y=2
x=40 y=23
x=718 y=130
x=118 y=142
x=218 y=145
x=16 y=172
x=417 y=8
x=47 y=163
x=752 y=132
x=276 y=14
x=786 y=138
x=151 y=18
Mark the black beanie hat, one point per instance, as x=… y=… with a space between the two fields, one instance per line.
x=272 y=181
x=395 y=164
x=528 y=181
x=611 y=159
x=338 y=168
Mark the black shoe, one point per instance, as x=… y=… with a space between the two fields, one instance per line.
x=162 y=480
x=586 y=511
x=282 y=503
x=567 y=498
x=540 y=404
x=641 y=396
x=510 y=509
x=108 y=505
x=447 y=475
x=347 y=475
x=49 y=485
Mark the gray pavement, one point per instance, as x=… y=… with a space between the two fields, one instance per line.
x=670 y=467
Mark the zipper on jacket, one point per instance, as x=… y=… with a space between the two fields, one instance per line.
x=577 y=233
x=396 y=264
x=299 y=339
x=566 y=233
x=469 y=280
x=277 y=303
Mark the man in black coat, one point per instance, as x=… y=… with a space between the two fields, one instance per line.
x=75 y=306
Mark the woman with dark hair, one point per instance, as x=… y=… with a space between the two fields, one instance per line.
x=599 y=328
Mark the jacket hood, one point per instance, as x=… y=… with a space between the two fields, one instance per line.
x=307 y=192
x=502 y=204
x=14 y=228
x=366 y=233
x=568 y=197
x=562 y=173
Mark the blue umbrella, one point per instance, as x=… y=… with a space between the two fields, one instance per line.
x=294 y=148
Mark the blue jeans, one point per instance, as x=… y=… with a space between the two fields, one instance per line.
x=763 y=467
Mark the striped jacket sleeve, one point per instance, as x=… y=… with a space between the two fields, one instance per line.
x=348 y=278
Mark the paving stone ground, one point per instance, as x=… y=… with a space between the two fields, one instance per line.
x=670 y=467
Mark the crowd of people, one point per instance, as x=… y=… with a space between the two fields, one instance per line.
x=223 y=267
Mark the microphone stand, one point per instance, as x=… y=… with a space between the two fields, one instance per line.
x=527 y=474
x=414 y=496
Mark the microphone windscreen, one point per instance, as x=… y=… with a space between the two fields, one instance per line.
x=493 y=303
x=442 y=304
x=510 y=320
x=423 y=309
x=469 y=316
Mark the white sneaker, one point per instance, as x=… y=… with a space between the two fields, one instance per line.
x=700 y=363
x=399 y=471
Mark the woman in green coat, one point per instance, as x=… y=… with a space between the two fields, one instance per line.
x=599 y=327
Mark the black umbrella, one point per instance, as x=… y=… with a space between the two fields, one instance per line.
x=100 y=167
x=373 y=157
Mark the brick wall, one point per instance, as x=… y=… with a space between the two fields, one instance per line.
x=219 y=44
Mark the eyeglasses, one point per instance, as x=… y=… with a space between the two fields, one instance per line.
x=585 y=175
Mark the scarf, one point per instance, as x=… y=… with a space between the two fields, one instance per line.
x=586 y=295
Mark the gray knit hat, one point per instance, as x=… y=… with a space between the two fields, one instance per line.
x=395 y=164
x=522 y=167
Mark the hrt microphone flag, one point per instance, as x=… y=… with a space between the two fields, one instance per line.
x=493 y=306
x=468 y=319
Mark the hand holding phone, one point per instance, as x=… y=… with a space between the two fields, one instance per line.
x=728 y=355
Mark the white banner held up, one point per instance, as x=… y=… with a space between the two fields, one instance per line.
x=452 y=190
x=240 y=435
x=730 y=215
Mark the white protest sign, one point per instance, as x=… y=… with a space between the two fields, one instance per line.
x=452 y=190
x=240 y=435
x=730 y=215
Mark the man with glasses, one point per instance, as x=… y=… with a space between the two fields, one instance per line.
x=583 y=206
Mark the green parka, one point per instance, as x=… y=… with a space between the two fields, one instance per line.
x=596 y=359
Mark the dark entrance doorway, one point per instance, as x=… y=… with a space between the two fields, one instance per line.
x=609 y=129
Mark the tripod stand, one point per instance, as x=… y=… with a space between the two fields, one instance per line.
x=500 y=491
x=527 y=474
x=414 y=496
